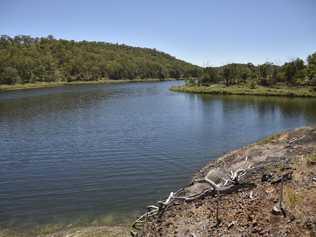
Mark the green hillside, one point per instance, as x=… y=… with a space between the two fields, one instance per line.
x=24 y=59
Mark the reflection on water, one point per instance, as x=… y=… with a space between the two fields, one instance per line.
x=80 y=154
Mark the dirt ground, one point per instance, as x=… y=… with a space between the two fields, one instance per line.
x=92 y=231
x=283 y=171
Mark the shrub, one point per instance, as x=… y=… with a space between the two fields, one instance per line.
x=253 y=85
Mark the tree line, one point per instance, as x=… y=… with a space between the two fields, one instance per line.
x=25 y=59
x=293 y=73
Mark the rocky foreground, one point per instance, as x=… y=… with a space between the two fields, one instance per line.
x=276 y=195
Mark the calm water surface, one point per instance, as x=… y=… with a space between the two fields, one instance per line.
x=79 y=153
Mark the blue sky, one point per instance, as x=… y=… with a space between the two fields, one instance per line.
x=204 y=32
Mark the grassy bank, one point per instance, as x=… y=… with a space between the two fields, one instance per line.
x=245 y=90
x=57 y=84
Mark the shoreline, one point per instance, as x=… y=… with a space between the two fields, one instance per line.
x=40 y=85
x=100 y=226
x=247 y=208
x=243 y=90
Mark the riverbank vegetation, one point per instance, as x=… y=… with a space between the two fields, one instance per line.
x=24 y=60
x=36 y=85
x=221 y=89
x=27 y=62
x=294 y=78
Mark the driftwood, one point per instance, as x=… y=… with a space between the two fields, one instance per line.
x=230 y=181
x=295 y=139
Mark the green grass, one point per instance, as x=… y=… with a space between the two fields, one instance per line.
x=245 y=90
x=57 y=84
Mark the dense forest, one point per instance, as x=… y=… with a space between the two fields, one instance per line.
x=293 y=73
x=24 y=59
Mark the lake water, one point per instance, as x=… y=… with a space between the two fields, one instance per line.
x=89 y=153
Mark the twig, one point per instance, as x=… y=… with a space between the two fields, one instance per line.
x=217 y=209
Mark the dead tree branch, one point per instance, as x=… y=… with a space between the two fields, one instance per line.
x=231 y=180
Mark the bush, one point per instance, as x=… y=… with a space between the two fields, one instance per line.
x=9 y=75
x=189 y=82
x=252 y=85
x=312 y=82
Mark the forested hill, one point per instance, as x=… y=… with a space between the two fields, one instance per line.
x=24 y=59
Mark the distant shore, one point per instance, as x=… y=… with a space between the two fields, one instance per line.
x=39 y=85
x=244 y=90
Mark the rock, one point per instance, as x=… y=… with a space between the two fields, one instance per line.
x=231 y=225
x=247 y=211
x=285 y=177
x=277 y=209
x=291 y=218
x=266 y=177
